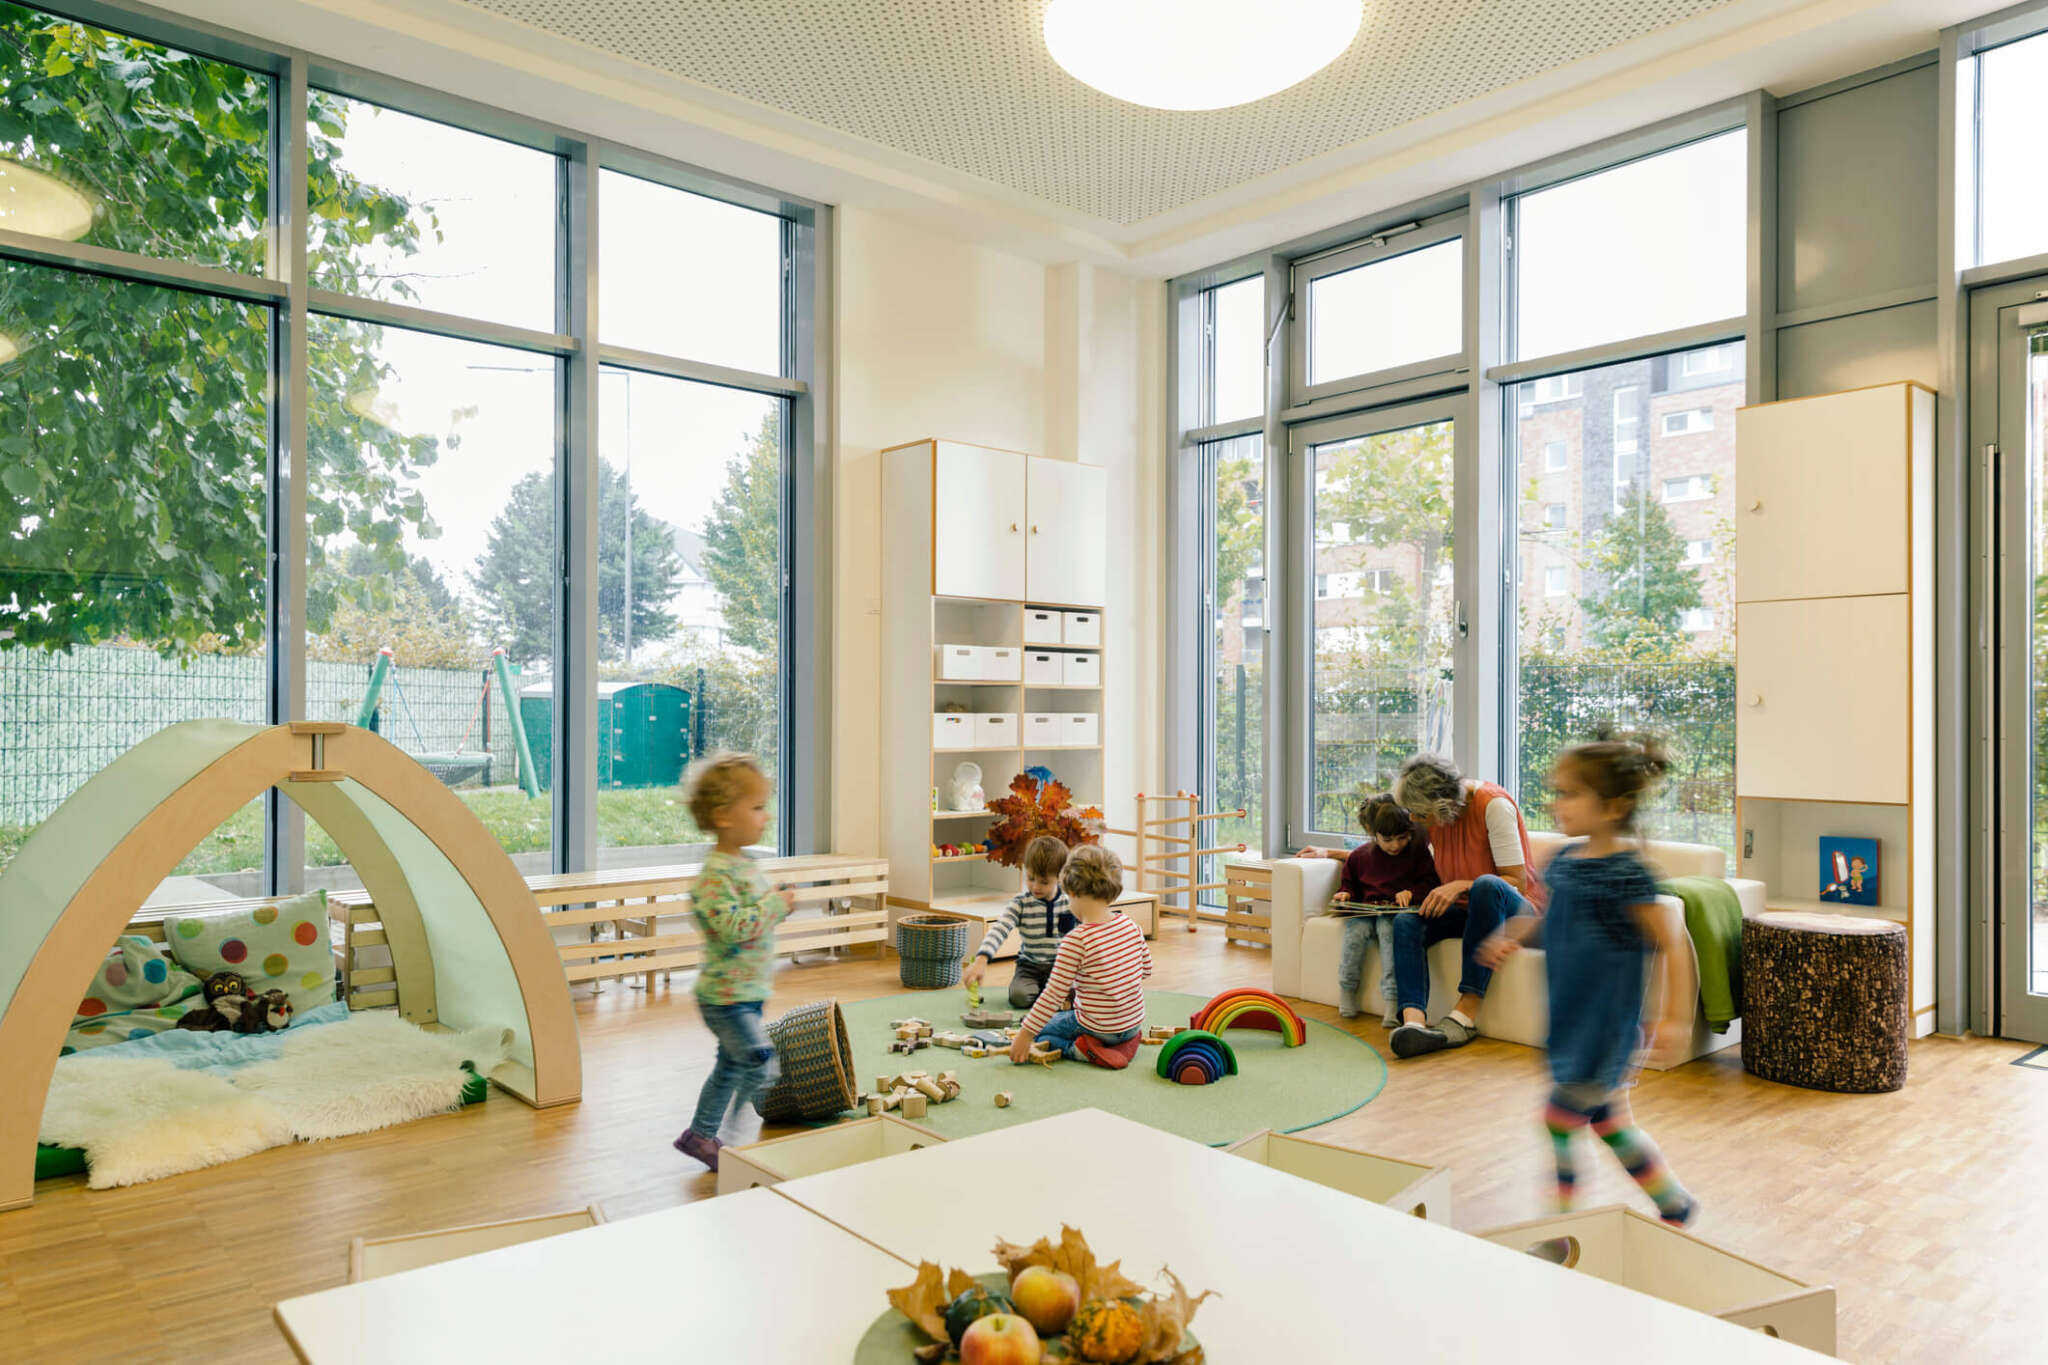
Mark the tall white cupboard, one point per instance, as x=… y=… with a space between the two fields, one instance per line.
x=994 y=576
x=1834 y=641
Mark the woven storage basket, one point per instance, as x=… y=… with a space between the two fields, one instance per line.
x=817 y=1065
x=932 y=948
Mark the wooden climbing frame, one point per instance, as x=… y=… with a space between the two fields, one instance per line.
x=1176 y=886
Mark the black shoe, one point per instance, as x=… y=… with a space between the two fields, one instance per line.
x=1414 y=1040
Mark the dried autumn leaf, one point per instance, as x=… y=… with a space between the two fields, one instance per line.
x=958 y=1282
x=1166 y=1318
x=1073 y=1256
x=924 y=1300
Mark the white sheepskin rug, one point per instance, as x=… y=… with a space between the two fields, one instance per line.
x=145 y=1119
x=370 y=1071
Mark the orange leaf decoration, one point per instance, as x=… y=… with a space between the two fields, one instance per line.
x=924 y=1299
x=1032 y=808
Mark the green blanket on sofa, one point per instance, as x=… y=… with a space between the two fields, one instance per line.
x=1713 y=916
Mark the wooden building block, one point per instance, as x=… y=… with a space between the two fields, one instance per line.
x=1002 y=1099
x=914 y=1106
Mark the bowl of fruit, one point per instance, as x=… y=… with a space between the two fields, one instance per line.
x=1047 y=1302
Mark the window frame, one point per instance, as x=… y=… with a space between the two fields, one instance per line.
x=570 y=348
x=1399 y=239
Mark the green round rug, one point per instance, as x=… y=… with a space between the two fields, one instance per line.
x=1278 y=1087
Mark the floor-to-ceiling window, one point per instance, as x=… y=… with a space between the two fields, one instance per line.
x=151 y=347
x=1622 y=475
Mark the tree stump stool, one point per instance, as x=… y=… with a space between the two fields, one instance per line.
x=1825 y=1001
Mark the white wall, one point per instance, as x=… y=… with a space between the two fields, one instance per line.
x=940 y=337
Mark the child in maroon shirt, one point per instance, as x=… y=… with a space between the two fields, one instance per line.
x=1392 y=867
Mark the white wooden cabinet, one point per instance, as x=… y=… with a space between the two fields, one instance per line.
x=1834 y=651
x=977 y=533
x=1821 y=494
x=1068 y=518
x=1824 y=695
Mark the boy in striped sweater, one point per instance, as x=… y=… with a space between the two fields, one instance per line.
x=1101 y=968
x=1041 y=917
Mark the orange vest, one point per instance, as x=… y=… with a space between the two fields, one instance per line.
x=1463 y=852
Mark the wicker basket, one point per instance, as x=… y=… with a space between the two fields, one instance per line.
x=817 y=1065
x=932 y=948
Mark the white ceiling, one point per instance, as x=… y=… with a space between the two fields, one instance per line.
x=967 y=84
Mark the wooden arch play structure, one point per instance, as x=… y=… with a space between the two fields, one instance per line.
x=468 y=945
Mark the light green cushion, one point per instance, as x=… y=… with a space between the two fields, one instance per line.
x=280 y=947
x=127 y=1025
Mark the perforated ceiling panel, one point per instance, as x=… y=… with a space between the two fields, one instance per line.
x=968 y=83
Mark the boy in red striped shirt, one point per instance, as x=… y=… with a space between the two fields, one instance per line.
x=1101 y=967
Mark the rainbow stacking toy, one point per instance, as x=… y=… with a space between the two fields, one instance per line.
x=1193 y=1057
x=1248 y=1007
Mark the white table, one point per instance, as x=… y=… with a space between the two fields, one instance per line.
x=1305 y=1273
x=745 y=1277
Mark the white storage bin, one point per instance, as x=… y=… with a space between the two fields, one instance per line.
x=1630 y=1249
x=1083 y=670
x=996 y=731
x=1044 y=668
x=1002 y=663
x=1081 y=628
x=959 y=663
x=1079 y=729
x=823 y=1149
x=1042 y=627
x=1404 y=1186
x=1042 y=729
x=953 y=732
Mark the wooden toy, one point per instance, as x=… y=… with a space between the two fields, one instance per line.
x=423 y=856
x=1249 y=1007
x=885 y=1083
x=947 y=1039
x=1002 y=1099
x=1044 y=1055
x=914 y=1106
x=1196 y=1057
x=978 y=1018
x=1159 y=1033
x=877 y=1104
x=909 y=1045
x=952 y=1089
x=1154 y=867
x=913 y=1022
x=931 y=1090
x=975 y=1051
x=991 y=1037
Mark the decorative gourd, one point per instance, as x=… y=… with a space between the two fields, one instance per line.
x=970 y=1304
x=1106 y=1332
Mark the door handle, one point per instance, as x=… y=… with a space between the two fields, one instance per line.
x=1013 y=528
x=1757 y=505
x=1034 y=530
x=1756 y=699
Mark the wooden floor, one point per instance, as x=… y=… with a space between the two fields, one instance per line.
x=1928 y=1210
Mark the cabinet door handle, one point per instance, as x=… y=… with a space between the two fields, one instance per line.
x=1034 y=530
x=1756 y=699
x=1757 y=505
x=1013 y=528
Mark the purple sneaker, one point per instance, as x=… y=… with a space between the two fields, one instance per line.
x=694 y=1144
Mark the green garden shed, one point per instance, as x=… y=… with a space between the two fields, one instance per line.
x=643 y=733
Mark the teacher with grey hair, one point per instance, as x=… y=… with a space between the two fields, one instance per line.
x=1481 y=849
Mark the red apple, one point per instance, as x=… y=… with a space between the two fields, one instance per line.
x=1046 y=1298
x=999 y=1339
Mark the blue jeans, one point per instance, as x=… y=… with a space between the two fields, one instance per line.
x=1490 y=904
x=1063 y=1028
x=1360 y=931
x=747 y=1064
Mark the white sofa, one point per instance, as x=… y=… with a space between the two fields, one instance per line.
x=1308 y=940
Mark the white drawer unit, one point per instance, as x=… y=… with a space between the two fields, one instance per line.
x=996 y=731
x=1002 y=663
x=1080 y=628
x=1079 y=730
x=1044 y=667
x=1042 y=729
x=1042 y=627
x=958 y=663
x=1082 y=670
x=952 y=732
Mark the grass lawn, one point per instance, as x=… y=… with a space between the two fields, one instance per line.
x=626 y=819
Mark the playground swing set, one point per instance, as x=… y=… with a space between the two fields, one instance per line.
x=462 y=763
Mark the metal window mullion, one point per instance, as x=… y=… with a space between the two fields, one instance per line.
x=576 y=526
x=1279 y=763
x=1619 y=352
x=702 y=371
x=284 y=834
x=137 y=268
x=384 y=313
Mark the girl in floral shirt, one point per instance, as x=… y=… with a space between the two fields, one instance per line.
x=738 y=911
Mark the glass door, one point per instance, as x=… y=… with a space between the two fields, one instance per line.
x=2009 y=426
x=1379 y=617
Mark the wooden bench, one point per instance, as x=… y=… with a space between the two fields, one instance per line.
x=633 y=902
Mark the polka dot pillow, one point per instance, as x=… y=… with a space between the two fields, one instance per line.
x=281 y=947
x=136 y=975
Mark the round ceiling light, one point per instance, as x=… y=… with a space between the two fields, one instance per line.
x=1197 y=54
x=37 y=202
